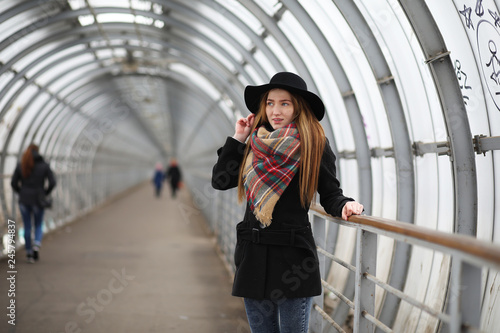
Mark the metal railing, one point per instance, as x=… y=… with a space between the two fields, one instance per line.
x=468 y=257
x=460 y=282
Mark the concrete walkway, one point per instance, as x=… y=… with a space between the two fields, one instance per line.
x=137 y=264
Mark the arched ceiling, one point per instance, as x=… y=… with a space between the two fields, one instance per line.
x=411 y=88
x=168 y=66
x=174 y=72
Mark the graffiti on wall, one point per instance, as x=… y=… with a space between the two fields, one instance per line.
x=483 y=23
x=462 y=81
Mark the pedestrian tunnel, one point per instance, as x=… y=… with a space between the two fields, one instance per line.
x=412 y=92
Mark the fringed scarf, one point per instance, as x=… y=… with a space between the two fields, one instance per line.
x=270 y=166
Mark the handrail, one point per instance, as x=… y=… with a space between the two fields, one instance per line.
x=463 y=243
x=469 y=256
x=458 y=307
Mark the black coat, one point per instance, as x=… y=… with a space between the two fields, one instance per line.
x=279 y=261
x=29 y=188
x=174 y=174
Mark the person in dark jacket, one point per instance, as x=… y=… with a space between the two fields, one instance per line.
x=286 y=161
x=29 y=181
x=173 y=174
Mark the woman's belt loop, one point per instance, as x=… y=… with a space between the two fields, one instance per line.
x=255 y=236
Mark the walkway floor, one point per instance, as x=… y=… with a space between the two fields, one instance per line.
x=135 y=265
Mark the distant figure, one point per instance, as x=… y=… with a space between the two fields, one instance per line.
x=29 y=182
x=173 y=174
x=158 y=178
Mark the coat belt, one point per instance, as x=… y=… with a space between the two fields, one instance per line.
x=276 y=237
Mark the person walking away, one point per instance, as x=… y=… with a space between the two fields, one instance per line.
x=29 y=182
x=286 y=161
x=158 y=178
x=173 y=174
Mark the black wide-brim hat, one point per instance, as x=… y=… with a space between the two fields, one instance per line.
x=290 y=82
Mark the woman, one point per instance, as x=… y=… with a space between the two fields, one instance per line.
x=286 y=161
x=29 y=182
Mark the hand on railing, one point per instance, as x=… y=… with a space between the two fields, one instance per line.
x=351 y=208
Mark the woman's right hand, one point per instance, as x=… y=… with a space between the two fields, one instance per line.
x=243 y=127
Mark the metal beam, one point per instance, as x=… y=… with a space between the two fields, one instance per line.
x=483 y=143
x=20 y=75
x=355 y=117
x=271 y=25
x=455 y=115
x=454 y=112
x=256 y=39
x=401 y=150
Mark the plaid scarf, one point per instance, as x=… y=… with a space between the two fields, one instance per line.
x=270 y=166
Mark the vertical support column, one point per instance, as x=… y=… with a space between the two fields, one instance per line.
x=364 y=294
x=319 y=231
x=454 y=112
x=214 y=210
x=331 y=242
x=220 y=222
x=454 y=297
x=465 y=296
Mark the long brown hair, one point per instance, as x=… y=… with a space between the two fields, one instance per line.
x=27 y=160
x=312 y=144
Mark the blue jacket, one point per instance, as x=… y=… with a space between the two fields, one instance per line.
x=158 y=178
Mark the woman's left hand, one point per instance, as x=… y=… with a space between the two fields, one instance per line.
x=351 y=208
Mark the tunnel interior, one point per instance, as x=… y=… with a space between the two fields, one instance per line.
x=411 y=88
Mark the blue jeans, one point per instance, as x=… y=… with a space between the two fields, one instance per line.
x=281 y=316
x=28 y=212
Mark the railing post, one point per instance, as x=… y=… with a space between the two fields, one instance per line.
x=319 y=231
x=364 y=295
x=465 y=295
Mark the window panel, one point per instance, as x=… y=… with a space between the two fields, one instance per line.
x=110 y=3
x=40 y=113
x=115 y=17
x=281 y=55
x=243 y=14
x=51 y=59
x=220 y=20
x=3 y=102
x=269 y=6
x=210 y=50
x=74 y=78
x=346 y=46
x=264 y=62
x=16 y=23
x=25 y=122
x=317 y=66
x=64 y=69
